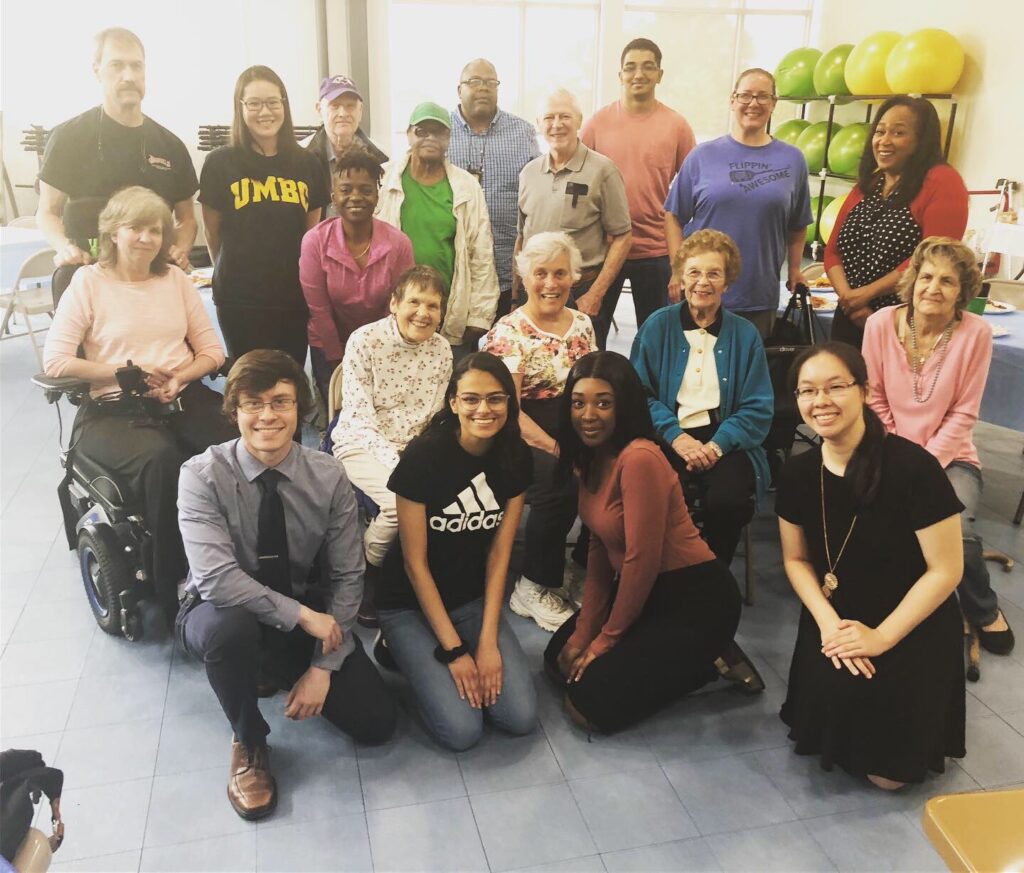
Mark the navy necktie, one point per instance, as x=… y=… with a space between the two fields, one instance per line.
x=272 y=536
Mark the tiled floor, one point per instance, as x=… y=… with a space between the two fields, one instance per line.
x=709 y=784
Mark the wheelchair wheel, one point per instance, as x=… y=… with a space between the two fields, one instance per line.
x=105 y=574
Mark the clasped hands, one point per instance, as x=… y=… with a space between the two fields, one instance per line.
x=164 y=385
x=855 y=302
x=852 y=644
x=698 y=455
x=478 y=677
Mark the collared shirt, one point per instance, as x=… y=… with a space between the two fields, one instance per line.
x=699 y=392
x=218 y=512
x=499 y=153
x=594 y=207
x=320 y=144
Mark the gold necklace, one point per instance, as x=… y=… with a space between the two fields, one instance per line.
x=831 y=580
x=363 y=252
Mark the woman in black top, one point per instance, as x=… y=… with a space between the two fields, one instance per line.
x=460 y=490
x=870 y=534
x=260 y=195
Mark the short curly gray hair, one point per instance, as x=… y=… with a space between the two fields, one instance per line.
x=543 y=248
x=959 y=255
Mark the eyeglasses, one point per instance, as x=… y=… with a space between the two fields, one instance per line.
x=645 y=67
x=274 y=104
x=477 y=82
x=493 y=401
x=427 y=133
x=838 y=390
x=745 y=98
x=278 y=404
x=713 y=276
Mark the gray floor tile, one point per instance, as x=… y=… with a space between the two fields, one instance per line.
x=995 y=753
x=104 y=819
x=587 y=864
x=25 y=663
x=872 y=840
x=192 y=806
x=784 y=847
x=811 y=791
x=197 y=741
x=441 y=835
x=412 y=768
x=109 y=654
x=188 y=689
x=236 y=852
x=728 y=794
x=36 y=709
x=626 y=810
x=110 y=753
x=114 y=698
x=42 y=621
x=682 y=856
x=1015 y=720
x=530 y=826
x=1001 y=687
x=122 y=862
x=343 y=846
x=499 y=762
x=46 y=744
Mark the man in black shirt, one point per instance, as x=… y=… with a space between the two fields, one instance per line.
x=111 y=147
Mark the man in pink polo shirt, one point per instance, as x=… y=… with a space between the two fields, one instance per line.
x=648 y=142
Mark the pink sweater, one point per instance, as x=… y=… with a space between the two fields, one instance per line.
x=160 y=322
x=945 y=423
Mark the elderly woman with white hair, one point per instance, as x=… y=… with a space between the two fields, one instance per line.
x=539 y=343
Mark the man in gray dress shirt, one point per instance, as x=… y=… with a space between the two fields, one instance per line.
x=290 y=627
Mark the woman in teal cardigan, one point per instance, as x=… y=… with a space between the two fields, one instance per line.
x=708 y=387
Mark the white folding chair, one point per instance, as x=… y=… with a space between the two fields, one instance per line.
x=29 y=301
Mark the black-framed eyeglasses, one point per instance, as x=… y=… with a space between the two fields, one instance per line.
x=477 y=82
x=254 y=104
x=745 y=98
x=278 y=404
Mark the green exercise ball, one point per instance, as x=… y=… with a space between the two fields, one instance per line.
x=846 y=148
x=928 y=61
x=865 y=67
x=830 y=71
x=812 y=228
x=812 y=143
x=794 y=76
x=789 y=131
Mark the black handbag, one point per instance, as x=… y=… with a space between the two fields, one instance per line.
x=24 y=777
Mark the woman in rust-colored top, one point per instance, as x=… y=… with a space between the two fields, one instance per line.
x=659 y=610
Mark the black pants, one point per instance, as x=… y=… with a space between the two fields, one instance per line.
x=690 y=617
x=230 y=642
x=145 y=455
x=553 y=505
x=247 y=327
x=648 y=284
x=845 y=331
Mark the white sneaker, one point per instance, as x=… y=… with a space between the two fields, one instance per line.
x=572 y=584
x=543 y=605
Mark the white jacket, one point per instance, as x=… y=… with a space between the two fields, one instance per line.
x=473 y=298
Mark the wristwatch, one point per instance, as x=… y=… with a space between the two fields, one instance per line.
x=446 y=656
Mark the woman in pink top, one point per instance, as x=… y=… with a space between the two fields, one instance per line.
x=659 y=610
x=927 y=365
x=350 y=264
x=133 y=305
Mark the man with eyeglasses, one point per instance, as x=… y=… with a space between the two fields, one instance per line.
x=272 y=536
x=114 y=146
x=648 y=143
x=577 y=191
x=494 y=146
x=442 y=209
x=340 y=107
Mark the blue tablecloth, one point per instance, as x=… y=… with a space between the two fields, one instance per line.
x=1003 y=402
x=16 y=245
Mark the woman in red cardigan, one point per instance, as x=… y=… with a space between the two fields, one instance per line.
x=905 y=192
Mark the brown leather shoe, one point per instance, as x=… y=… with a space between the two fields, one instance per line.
x=251 y=787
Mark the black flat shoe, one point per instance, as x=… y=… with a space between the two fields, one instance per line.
x=383 y=655
x=734 y=666
x=997 y=642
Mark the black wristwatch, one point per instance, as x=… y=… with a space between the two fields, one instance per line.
x=446 y=656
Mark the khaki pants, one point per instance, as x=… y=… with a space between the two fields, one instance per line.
x=371 y=477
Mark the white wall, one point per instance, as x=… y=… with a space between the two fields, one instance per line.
x=988 y=138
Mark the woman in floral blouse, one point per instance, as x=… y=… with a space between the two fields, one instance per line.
x=539 y=342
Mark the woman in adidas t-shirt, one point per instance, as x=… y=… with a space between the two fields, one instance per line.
x=460 y=489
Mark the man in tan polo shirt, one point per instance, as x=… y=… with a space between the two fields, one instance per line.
x=581 y=192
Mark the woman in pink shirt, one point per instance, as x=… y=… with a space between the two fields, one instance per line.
x=927 y=365
x=350 y=264
x=133 y=305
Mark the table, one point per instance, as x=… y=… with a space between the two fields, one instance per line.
x=977 y=831
x=16 y=245
x=1003 y=401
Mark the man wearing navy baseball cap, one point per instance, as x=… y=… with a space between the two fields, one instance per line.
x=340 y=106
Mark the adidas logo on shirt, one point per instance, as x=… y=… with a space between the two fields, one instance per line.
x=475 y=508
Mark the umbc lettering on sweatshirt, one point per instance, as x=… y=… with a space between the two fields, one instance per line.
x=248 y=191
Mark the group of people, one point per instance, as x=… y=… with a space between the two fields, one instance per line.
x=457 y=411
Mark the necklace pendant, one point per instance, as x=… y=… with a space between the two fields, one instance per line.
x=831 y=584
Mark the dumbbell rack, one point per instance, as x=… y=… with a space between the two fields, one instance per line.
x=818 y=244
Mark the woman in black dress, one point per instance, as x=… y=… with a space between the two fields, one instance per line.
x=870 y=535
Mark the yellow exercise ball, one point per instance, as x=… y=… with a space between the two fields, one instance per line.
x=928 y=61
x=828 y=217
x=865 y=67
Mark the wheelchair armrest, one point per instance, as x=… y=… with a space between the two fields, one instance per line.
x=54 y=386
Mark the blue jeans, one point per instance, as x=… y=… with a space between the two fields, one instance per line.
x=977 y=599
x=453 y=722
